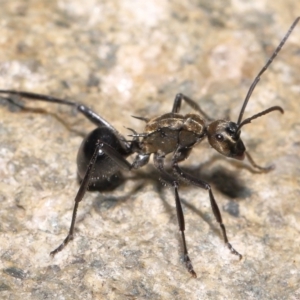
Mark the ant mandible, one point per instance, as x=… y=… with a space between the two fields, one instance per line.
x=103 y=153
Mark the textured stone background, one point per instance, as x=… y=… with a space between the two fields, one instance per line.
x=128 y=58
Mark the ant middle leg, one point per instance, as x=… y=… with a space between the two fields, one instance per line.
x=202 y=184
x=159 y=164
x=177 y=105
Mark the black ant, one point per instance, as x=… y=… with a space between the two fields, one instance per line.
x=103 y=152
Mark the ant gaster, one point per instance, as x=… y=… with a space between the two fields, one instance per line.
x=103 y=152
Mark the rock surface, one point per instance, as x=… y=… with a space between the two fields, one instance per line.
x=128 y=58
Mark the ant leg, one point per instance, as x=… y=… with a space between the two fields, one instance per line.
x=82 y=189
x=159 y=164
x=118 y=159
x=177 y=104
x=202 y=184
x=254 y=165
x=87 y=112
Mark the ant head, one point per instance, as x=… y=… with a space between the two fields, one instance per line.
x=224 y=136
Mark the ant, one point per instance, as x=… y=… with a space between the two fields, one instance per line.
x=103 y=153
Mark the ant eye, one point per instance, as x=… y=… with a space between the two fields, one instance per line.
x=219 y=137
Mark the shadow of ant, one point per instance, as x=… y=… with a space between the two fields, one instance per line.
x=226 y=182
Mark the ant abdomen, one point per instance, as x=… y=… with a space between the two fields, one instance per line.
x=105 y=172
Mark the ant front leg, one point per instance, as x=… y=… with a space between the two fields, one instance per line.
x=159 y=164
x=202 y=184
x=177 y=105
x=117 y=159
x=259 y=168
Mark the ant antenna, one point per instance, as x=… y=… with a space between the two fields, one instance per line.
x=264 y=112
x=257 y=78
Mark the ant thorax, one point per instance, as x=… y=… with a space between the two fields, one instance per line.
x=172 y=130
